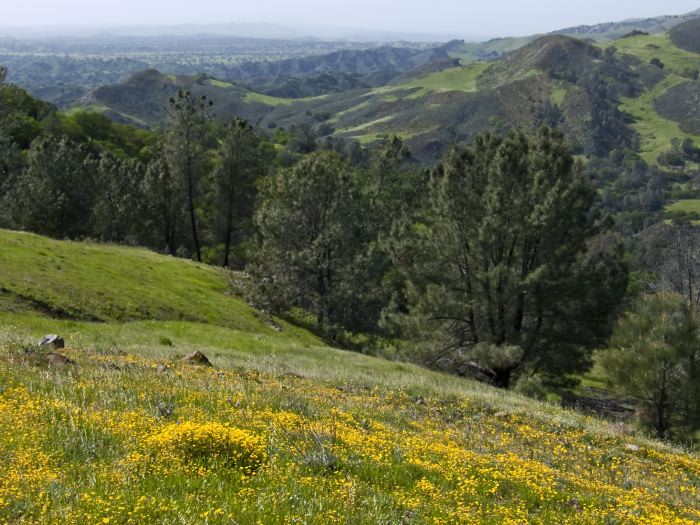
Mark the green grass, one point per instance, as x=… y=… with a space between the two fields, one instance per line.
x=455 y=79
x=111 y=283
x=91 y=108
x=353 y=109
x=100 y=108
x=130 y=299
x=655 y=131
x=259 y=98
x=461 y=79
x=685 y=206
x=220 y=83
x=558 y=95
x=369 y=124
x=659 y=46
x=370 y=138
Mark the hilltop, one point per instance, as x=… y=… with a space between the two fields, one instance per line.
x=97 y=440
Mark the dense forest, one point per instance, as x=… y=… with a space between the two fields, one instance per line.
x=509 y=260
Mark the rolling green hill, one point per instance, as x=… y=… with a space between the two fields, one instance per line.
x=126 y=298
x=658 y=114
x=520 y=88
x=603 y=95
x=128 y=434
x=141 y=99
x=434 y=109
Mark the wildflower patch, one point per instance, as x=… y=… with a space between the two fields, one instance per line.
x=207 y=444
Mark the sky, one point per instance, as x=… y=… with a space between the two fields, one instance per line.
x=450 y=17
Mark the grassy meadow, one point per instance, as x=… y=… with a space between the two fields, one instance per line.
x=283 y=428
x=655 y=131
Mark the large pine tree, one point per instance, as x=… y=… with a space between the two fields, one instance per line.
x=501 y=273
x=185 y=150
x=241 y=163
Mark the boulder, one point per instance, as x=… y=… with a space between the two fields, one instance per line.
x=165 y=409
x=56 y=359
x=196 y=358
x=53 y=340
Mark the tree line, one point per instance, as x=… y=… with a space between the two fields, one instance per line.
x=497 y=263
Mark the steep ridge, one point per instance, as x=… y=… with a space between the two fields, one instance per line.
x=681 y=104
x=559 y=57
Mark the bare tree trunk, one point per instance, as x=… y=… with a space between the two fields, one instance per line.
x=193 y=214
x=661 y=423
x=229 y=232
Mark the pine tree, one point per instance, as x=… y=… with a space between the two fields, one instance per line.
x=312 y=233
x=11 y=163
x=55 y=193
x=499 y=272
x=164 y=205
x=242 y=162
x=185 y=150
x=654 y=357
x=118 y=207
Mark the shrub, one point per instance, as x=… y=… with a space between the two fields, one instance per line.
x=209 y=443
x=532 y=386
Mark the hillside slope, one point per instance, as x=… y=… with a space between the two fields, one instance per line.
x=283 y=429
x=540 y=83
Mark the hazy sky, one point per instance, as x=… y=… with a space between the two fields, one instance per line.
x=459 y=17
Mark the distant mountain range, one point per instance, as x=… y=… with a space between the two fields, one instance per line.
x=604 y=96
x=630 y=84
x=607 y=30
x=237 y=30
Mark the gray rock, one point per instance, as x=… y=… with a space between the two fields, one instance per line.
x=165 y=409
x=196 y=358
x=53 y=340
